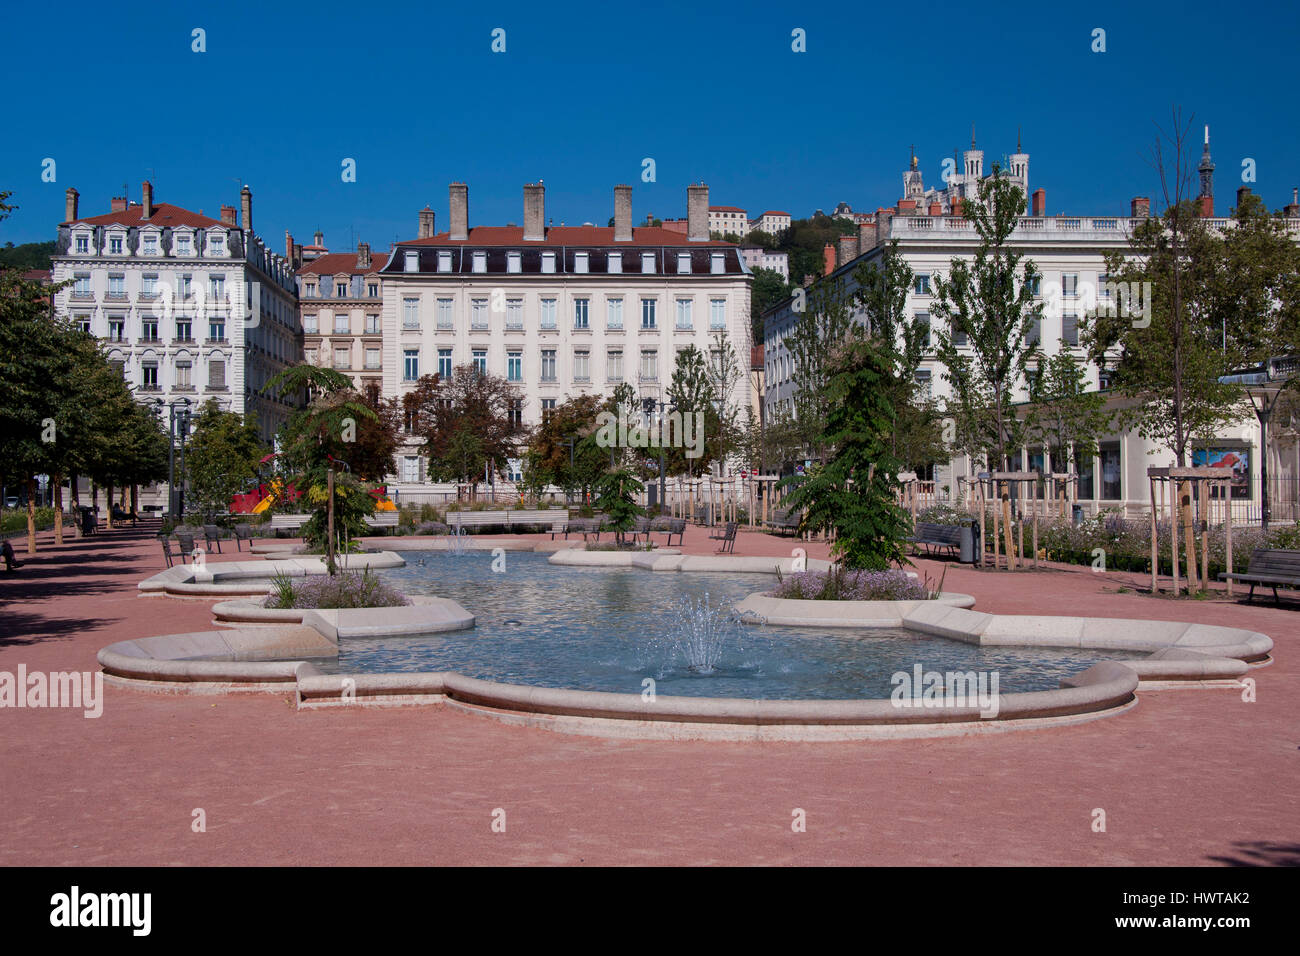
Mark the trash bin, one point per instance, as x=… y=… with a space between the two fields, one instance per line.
x=652 y=497
x=87 y=520
x=1076 y=514
x=966 y=543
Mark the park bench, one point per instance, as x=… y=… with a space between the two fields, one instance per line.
x=382 y=519
x=289 y=522
x=511 y=518
x=670 y=527
x=947 y=536
x=785 y=521
x=243 y=532
x=1271 y=567
x=727 y=537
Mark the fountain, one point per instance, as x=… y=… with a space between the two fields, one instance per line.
x=458 y=543
x=699 y=630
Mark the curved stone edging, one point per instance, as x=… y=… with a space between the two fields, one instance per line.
x=221 y=579
x=667 y=559
x=796 y=612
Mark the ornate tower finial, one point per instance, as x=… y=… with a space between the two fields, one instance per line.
x=1206 y=168
x=1017 y=139
x=972 y=135
x=913 y=148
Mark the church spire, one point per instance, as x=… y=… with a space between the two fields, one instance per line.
x=1206 y=169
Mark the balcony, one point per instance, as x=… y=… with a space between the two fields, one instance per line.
x=85 y=296
x=216 y=341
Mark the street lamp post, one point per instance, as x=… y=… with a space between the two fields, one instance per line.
x=171 y=450
x=183 y=420
x=1264 y=385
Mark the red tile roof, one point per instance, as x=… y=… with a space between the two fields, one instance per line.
x=164 y=214
x=725 y=209
x=562 y=236
x=772 y=212
x=43 y=276
x=339 y=262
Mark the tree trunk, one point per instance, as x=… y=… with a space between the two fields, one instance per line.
x=31 y=515
x=1006 y=530
x=329 y=532
x=1189 y=537
x=108 y=504
x=58 y=508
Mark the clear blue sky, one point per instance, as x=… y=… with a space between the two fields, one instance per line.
x=584 y=92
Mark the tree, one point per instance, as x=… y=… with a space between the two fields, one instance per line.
x=576 y=468
x=855 y=492
x=222 y=457
x=816 y=335
x=769 y=287
x=377 y=439
x=616 y=490
x=988 y=304
x=472 y=400
x=1070 y=418
x=725 y=375
x=691 y=395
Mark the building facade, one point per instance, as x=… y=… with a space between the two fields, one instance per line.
x=340 y=297
x=560 y=311
x=190 y=307
x=728 y=219
x=756 y=257
x=771 y=222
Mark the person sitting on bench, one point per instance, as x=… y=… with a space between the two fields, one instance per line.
x=11 y=562
x=120 y=515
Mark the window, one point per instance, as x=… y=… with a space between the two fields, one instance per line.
x=117 y=286
x=1111 y=488
x=1035 y=335
x=411 y=261
x=372 y=358
x=149 y=330
x=548 y=313
x=372 y=325
x=614 y=313
x=478 y=314
x=445 y=313
x=614 y=365
x=217 y=329
x=372 y=290
x=1105 y=379
x=115 y=245
x=444 y=364
x=515 y=416
x=82 y=287
x=216 y=373
x=581 y=315
x=649 y=365
x=411 y=313
x=410 y=364
x=921 y=284
x=341 y=324
x=410 y=468
x=923 y=383
x=647 y=313
x=218 y=243
x=118 y=366
x=514 y=262
x=614 y=262
x=582 y=262
x=717 y=263
x=1070 y=329
x=149 y=285
x=444 y=261
x=83 y=244
x=309 y=325
x=149 y=376
x=341 y=358
x=217 y=287
x=514 y=313
x=683 y=263
x=183 y=373
x=1069 y=284
x=184 y=330
x=310 y=290
x=480 y=262
x=183 y=246
x=515 y=366
x=647 y=263
x=548 y=365
x=185 y=287
x=117 y=329
x=1036 y=286
x=548 y=262
x=480 y=360
x=684 y=307
x=582 y=366
x=83 y=323
x=151 y=246
x=548 y=409
x=923 y=318
x=717 y=314
x=341 y=289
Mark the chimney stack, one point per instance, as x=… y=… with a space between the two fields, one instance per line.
x=146 y=199
x=297 y=255
x=117 y=204
x=288 y=246
x=1207 y=206
x=70 y=204
x=1291 y=211
x=846 y=250
x=1039 y=203
x=936 y=209
x=622 y=213
x=697 y=213
x=363 y=256
x=228 y=215
x=1242 y=193
x=459 y=201
x=884 y=217
x=246 y=208
x=1140 y=207
x=426 y=223
x=828 y=259
x=866 y=237
x=534 y=211
x=959 y=207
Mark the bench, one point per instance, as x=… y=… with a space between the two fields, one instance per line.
x=932 y=535
x=728 y=538
x=1271 y=567
x=670 y=527
x=383 y=519
x=243 y=532
x=289 y=522
x=785 y=521
x=510 y=518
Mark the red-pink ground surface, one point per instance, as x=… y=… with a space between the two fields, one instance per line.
x=1187 y=777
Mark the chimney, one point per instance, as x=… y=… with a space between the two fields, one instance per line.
x=846 y=250
x=1039 y=203
x=907 y=207
x=1291 y=211
x=959 y=207
x=117 y=204
x=866 y=237
x=1207 y=207
x=534 y=211
x=246 y=208
x=1140 y=207
x=228 y=215
x=363 y=255
x=288 y=246
x=459 y=211
x=1242 y=193
x=70 y=205
x=697 y=213
x=297 y=255
x=146 y=201
x=936 y=209
x=426 y=223
x=884 y=218
x=828 y=259
x=622 y=213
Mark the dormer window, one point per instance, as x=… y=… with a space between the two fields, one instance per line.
x=82 y=244
x=183 y=247
x=514 y=262
x=647 y=262
x=340 y=288
x=480 y=262
x=411 y=261
x=717 y=263
x=444 y=261
x=151 y=245
x=683 y=263
x=548 y=262
x=581 y=262
x=614 y=262
x=217 y=243
x=115 y=245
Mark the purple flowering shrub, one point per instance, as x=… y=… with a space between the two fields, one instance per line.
x=347 y=589
x=891 y=585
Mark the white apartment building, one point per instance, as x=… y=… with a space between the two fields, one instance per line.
x=728 y=219
x=191 y=307
x=756 y=257
x=340 y=297
x=771 y=222
x=559 y=311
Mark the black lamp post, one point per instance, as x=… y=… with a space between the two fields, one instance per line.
x=183 y=420
x=171 y=450
x=1264 y=384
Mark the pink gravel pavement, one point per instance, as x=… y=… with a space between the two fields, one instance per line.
x=1189 y=777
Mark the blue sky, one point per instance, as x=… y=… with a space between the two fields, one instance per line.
x=584 y=92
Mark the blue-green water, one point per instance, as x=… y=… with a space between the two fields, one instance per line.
x=607 y=630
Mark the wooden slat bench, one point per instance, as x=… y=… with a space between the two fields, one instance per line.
x=785 y=521
x=670 y=527
x=937 y=536
x=289 y=522
x=1271 y=567
x=382 y=519
x=516 y=518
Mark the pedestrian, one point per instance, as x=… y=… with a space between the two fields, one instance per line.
x=7 y=550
